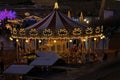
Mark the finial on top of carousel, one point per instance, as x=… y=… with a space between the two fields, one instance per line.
x=81 y=17
x=69 y=15
x=56 y=7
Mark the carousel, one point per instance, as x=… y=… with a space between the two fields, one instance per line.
x=59 y=33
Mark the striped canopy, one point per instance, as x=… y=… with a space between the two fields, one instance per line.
x=56 y=21
x=56 y=25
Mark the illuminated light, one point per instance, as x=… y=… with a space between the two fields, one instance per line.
x=27 y=14
x=89 y=30
x=85 y=20
x=33 y=32
x=47 y=32
x=56 y=5
x=17 y=40
x=62 y=32
x=14 y=31
x=26 y=40
x=40 y=41
x=8 y=26
x=22 y=32
x=7 y=14
x=97 y=30
x=32 y=17
x=81 y=17
x=77 y=31
x=103 y=36
x=83 y=40
x=55 y=41
x=11 y=38
x=95 y=39
x=70 y=40
x=69 y=15
x=16 y=21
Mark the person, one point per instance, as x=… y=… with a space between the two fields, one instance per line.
x=74 y=48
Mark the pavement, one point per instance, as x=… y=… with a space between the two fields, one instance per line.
x=75 y=72
x=107 y=70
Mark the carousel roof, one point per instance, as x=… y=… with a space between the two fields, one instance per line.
x=54 y=25
x=55 y=21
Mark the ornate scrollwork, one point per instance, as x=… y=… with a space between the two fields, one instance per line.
x=97 y=30
x=22 y=32
x=14 y=31
x=89 y=30
x=33 y=32
x=47 y=32
x=62 y=32
x=77 y=31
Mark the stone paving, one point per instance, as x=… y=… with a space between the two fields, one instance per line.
x=95 y=71
x=75 y=73
x=87 y=71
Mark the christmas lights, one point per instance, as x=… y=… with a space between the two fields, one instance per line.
x=77 y=31
x=33 y=32
x=62 y=32
x=47 y=32
x=89 y=30
x=22 y=32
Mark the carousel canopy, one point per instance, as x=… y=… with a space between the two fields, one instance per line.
x=55 y=21
x=57 y=25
